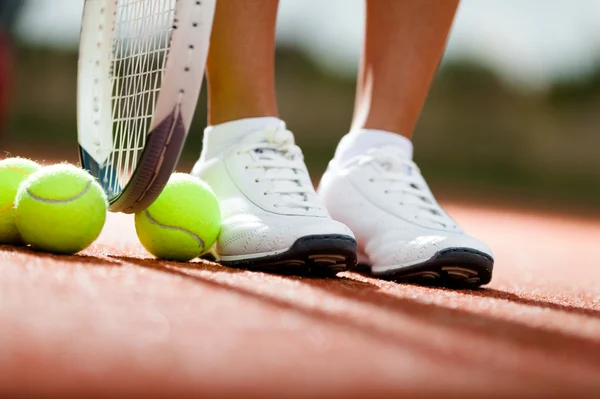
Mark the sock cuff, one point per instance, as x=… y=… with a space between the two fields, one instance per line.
x=233 y=129
x=219 y=137
x=359 y=141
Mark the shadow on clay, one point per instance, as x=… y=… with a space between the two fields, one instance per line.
x=77 y=258
x=452 y=321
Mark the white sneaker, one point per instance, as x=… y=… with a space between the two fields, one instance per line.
x=401 y=230
x=272 y=217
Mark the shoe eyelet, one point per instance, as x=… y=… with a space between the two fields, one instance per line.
x=386 y=192
x=371 y=180
x=256 y=180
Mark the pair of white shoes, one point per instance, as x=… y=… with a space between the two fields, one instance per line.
x=374 y=208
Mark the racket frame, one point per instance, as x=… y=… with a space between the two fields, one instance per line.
x=175 y=104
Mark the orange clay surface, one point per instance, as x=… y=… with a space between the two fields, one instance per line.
x=113 y=322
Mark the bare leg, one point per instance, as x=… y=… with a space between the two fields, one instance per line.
x=250 y=161
x=404 y=42
x=398 y=225
x=240 y=70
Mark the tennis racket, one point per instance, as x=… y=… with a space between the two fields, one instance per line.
x=141 y=65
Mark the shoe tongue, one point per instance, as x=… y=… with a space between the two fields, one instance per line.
x=269 y=137
x=285 y=183
x=221 y=137
x=394 y=151
x=283 y=178
x=394 y=158
x=274 y=134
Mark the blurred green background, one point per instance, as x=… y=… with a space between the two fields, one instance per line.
x=481 y=137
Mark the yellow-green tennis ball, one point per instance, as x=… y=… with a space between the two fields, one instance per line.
x=60 y=209
x=183 y=222
x=12 y=172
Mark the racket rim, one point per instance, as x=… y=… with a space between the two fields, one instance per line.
x=144 y=184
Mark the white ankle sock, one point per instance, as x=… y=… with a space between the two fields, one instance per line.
x=358 y=142
x=220 y=137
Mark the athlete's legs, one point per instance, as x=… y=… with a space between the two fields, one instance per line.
x=272 y=218
x=404 y=42
x=240 y=68
x=372 y=185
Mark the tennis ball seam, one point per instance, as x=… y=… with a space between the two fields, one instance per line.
x=18 y=170
x=60 y=201
x=174 y=228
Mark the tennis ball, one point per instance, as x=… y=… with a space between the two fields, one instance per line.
x=60 y=208
x=183 y=222
x=12 y=172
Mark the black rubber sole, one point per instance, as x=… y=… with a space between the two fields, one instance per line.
x=319 y=255
x=451 y=267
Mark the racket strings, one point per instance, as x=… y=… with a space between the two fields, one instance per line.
x=142 y=38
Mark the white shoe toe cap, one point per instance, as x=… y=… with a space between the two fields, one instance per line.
x=400 y=249
x=246 y=234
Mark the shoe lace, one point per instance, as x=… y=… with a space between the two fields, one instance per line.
x=403 y=178
x=275 y=152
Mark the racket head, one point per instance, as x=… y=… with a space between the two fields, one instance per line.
x=141 y=65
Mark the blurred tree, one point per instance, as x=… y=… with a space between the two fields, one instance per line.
x=575 y=92
x=477 y=132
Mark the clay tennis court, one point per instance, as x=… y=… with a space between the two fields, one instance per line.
x=112 y=322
